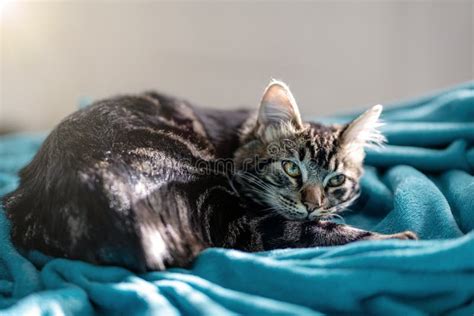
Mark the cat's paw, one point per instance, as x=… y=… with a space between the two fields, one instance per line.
x=406 y=235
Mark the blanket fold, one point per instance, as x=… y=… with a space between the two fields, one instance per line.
x=421 y=181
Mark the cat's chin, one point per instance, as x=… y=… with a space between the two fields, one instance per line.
x=295 y=217
x=314 y=216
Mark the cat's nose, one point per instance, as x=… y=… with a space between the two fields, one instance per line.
x=311 y=197
x=310 y=206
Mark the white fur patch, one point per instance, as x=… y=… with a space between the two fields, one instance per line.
x=155 y=247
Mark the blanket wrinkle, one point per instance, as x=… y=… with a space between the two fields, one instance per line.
x=422 y=180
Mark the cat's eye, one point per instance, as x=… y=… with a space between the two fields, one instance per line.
x=291 y=168
x=337 y=180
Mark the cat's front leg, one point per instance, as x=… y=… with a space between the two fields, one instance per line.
x=324 y=233
x=299 y=234
x=406 y=235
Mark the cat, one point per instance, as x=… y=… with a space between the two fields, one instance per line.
x=148 y=181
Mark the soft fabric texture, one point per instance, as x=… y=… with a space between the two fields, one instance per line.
x=421 y=181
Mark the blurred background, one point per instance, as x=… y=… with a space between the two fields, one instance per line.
x=335 y=55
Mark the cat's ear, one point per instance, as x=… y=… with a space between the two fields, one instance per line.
x=363 y=131
x=278 y=107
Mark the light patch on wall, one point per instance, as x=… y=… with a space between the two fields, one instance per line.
x=5 y=5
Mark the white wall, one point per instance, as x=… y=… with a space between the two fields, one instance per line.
x=335 y=55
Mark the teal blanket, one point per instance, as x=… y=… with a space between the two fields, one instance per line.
x=421 y=181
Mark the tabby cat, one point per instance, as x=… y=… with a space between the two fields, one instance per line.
x=149 y=181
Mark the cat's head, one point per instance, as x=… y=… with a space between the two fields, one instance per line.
x=302 y=170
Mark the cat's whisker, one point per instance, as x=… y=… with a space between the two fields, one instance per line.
x=255 y=179
x=255 y=182
x=331 y=215
x=268 y=209
x=231 y=180
x=260 y=191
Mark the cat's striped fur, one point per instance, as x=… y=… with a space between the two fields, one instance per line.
x=138 y=181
